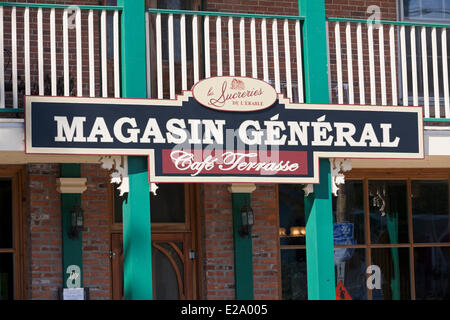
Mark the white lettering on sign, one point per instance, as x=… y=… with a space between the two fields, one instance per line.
x=252 y=132
x=229 y=161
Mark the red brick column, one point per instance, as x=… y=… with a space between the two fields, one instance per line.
x=266 y=268
x=96 y=242
x=44 y=242
x=217 y=237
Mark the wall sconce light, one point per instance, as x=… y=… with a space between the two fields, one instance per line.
x=76 y=221
x=248 y=220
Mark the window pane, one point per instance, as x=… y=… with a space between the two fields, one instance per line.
x=395 y=277
x=168 y=204
x=6 y=227
x=6 y=276
x=411 y=8
x=426 y=9
x=430 y=208
x=166 y=285
x=432 y=9
x=348 y=208
x=293 y=274
x=351 y=271
x=447 y=10
x=388 y=212
x=432 y=273
x=291 y=200
x=118 y=203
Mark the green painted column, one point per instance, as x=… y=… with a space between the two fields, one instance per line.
x=136 y=209
x=318 y=206
x=71 y=248
x=319 y=238
x=243 y=252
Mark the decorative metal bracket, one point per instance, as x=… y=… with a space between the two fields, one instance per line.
x=338 y=166
x=119 y=175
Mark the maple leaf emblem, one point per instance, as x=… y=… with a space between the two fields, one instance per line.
x=237 y=84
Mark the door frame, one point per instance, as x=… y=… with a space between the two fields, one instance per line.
x=192 y=225
x=20 y=228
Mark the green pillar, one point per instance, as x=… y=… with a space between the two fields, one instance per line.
x=318 y=206
x=136 y=209
x=319 y=238
x=243 y=252
x=71 y=248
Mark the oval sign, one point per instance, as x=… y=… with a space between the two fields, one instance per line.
x=238 y=94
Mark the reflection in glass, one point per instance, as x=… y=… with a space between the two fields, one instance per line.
x=348 y=207
x=165 y=285
x=352 y=272
x=168 y=204
x=6 y=276
x=388 y=212
x=169 y=248
x=291 y=201
x=432 y=273
x=426 y=9
x=395 y=278
x=6 y=214
x=118 y=204
x=431 y=219
x=293 y=274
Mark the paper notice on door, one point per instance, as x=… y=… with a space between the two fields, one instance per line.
x=73 y=294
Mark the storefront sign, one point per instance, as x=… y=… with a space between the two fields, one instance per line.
x=228 y=129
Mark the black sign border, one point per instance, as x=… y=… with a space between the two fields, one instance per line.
x=219 y=179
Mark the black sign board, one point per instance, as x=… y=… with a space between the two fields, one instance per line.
x=187 y=140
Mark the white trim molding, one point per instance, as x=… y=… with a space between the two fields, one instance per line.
x=241 y=187
x=71 y=185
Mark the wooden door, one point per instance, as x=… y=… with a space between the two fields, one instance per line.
x=12 y=233
x=172 y=266
x=116 y=255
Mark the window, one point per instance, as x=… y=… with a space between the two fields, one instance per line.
x=12 y=268
x=400 y=225
x=167 y=207
x=428 y=10
x=432 y=11
x=6 y=241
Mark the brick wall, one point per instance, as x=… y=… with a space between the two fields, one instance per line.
x=266 y=269
x=357 y=9
x=44 y=242
x=217 y=238
x=96 y=262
